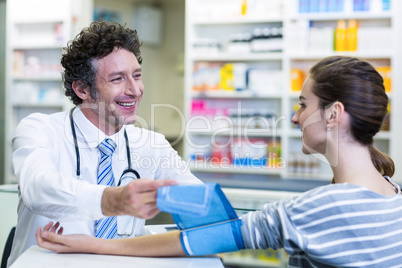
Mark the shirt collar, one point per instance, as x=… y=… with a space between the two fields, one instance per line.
x=90 y=135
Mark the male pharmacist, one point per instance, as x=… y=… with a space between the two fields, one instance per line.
x=67 y=162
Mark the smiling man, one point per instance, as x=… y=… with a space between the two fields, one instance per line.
x=119 y=91
x=68 y=163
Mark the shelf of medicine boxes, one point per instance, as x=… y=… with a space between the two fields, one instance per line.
x=316 y=56
x=221 y=29
x=35 y=47
x=226 y=135
x=229 y=168
x=226 y=94
x=225 y=130
x=233 y=57
x=233 y=133
x=37 y=79
x=206 y=27
x=375 y=25
x=245 y=19
x=36 y=74
x=358 y=15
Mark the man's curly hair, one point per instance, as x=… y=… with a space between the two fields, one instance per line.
x=94 y=42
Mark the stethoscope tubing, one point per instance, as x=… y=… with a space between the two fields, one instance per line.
x=77 y=152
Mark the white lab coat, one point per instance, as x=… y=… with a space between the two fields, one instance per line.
x=44 y=161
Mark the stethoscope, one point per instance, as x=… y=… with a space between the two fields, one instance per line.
x=126 y=173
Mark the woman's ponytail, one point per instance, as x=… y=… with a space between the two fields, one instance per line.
x=382 y=162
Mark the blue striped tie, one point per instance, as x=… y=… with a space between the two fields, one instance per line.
x=106 y=227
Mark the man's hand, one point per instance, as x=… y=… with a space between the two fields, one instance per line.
x=137 y=199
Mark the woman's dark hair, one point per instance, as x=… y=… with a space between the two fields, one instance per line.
x=95 y=42
x=359 y=87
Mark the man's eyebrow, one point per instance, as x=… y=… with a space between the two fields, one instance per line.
x=122 y=72
x=302 y=98
x=115 y=73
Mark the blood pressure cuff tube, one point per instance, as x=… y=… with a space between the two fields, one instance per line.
x=212 y=239
x=208 y=221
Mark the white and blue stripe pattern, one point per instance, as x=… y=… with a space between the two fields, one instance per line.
x=339 y=225
x=106 y=227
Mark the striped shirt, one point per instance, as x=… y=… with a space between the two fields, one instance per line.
x=337 y=225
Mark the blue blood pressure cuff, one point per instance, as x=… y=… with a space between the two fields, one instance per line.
x=207 y=220
x=211 y=239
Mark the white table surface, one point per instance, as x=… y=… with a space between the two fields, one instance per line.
x=36 y=257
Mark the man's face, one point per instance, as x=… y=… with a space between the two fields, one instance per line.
x=119 y=85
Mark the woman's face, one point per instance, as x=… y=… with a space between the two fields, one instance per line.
x=311 y=120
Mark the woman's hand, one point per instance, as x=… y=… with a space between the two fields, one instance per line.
x=161 y=245
x=51 y=238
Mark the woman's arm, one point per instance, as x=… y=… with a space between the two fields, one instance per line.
x=166 y=244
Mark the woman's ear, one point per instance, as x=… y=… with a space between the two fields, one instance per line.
x=81 y=90
x=334 y=114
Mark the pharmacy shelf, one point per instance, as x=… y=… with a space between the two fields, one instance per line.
x=284 y=100
x=201 y=28
x=225 y=168
x=237 y=195
x=238 y=20
x=38 y=78
x=35 y=45
x=333 y=16
x=38 y=20
x=317 y=56
x=225 y=94
x=383 y=135
x=294 y=133
x=239 y=132
x=231 y=57
x=309 y=176
x=39 y=105
x=38 y=47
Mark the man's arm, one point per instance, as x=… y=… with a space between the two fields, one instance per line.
x=45 y=188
